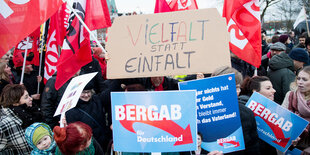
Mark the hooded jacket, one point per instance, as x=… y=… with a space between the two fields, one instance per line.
x=29 y=134
x=281 y=75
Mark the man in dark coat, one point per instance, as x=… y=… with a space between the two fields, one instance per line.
x=282 y=71
x=275 y=49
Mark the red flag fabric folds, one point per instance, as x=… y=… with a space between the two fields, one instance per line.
x=19 y=19
x=32 y=53
x=243 y=22
x=179 y=5
x=56 y=35
x=174 y=5
x=161 y=6
x=76 y=51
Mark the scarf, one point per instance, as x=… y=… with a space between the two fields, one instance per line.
x=160 y=86
x=299 y=106
x=87 y=151
x=48 y=151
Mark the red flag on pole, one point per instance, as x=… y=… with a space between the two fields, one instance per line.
x=32 y=53
x=243 y=22
x=56 y=35
x=20 y=18
x=76 y=50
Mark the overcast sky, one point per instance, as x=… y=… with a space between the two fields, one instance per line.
x=147 y=6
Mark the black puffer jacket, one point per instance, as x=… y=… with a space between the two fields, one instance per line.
x=281 y=75
x=50 y=100
x=93 y=114
x=28 y=115
x=264 y=148
x=249 y=130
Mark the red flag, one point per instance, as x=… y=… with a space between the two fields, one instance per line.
x=243 y=22
x=76 y=50
x=56 y=35
x=161 y=6
x=32 y=52
x=98 y=15
x=20 y=18
x=179 y=5
x=174 y=5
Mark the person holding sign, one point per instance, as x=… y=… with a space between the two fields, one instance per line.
x=298 y=102
x=248 y=122
x=262 y=85
x=91 y=109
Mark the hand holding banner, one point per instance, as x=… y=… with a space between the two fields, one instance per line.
x=275 y=125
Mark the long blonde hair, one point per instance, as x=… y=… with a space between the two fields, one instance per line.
x=4 y=75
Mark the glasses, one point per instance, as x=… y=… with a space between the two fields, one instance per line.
x=86 y=91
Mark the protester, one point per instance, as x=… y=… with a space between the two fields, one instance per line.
x=243 y=67
x=262 y=85
x=100 y=56
x=284 y=39
x=274 y=39
x=308 y=49
x=248 y=122
x=282 y=71
x=291 y=34
x=298 y=101
x=76 y=138
x=275 y=49
x=40 y=138
x=91 y=110
x=160 y=83
x=12 y=137
x=5 y=73
x=301 y=42
x=50 y=100
x=199 y=150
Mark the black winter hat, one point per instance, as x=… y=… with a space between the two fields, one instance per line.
x=299 y=54
x=283 y=38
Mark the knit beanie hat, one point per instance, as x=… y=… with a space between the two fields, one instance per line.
x=283 y=38
x=278 y=46
x=299 y=54
x=38 y=134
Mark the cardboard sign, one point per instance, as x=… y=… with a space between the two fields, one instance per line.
x=174 y=43
x=275 y=125
x=73 y=92
x=154 y=121
x=218 y=113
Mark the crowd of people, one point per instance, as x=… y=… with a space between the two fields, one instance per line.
x=27 y=125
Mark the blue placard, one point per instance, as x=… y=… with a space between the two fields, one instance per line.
x=218 y=116
x=275 y=124
x=154 y=121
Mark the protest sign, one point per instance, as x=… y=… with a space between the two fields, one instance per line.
x=73 y=92
x=275 y=125
x=174 y=43
x=218 y=112
x=154 y=121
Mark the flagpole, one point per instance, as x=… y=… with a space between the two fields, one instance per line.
x=24 y=63
x=85 y=26
x=41 y=54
